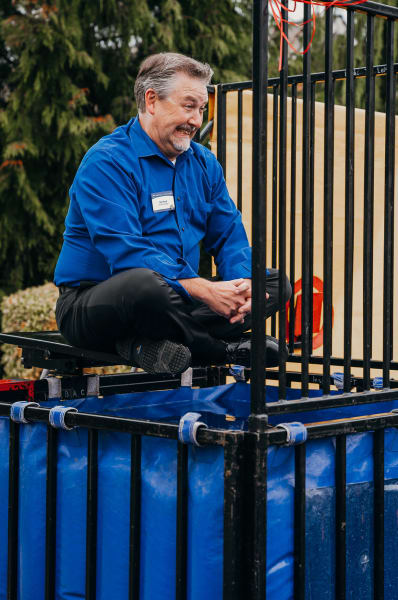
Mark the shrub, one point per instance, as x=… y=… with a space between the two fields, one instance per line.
x=32 y=309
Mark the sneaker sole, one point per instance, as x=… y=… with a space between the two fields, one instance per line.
x=163 y=357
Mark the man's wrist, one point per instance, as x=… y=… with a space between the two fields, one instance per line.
x=197 y=287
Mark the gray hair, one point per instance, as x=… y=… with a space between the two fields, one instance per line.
x=158 y=70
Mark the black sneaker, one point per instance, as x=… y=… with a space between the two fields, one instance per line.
x=238 y=353
x=155 y=357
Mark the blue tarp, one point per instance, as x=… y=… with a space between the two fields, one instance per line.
x=205 y=510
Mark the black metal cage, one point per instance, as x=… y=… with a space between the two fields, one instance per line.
x=245 y=452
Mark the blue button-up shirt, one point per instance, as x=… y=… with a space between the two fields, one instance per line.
x=111 y=223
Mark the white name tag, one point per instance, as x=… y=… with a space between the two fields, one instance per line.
x=162 y=201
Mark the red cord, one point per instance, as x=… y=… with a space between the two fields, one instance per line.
x=277 y=6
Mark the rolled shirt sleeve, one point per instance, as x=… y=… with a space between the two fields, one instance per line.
x=226 y=238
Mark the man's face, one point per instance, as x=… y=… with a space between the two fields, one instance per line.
x=176 y=119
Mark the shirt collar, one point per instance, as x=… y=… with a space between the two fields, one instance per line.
x=145 y=146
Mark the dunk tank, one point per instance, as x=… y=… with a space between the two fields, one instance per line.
x=228 y=482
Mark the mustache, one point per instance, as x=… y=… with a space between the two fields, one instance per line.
x=186 y=128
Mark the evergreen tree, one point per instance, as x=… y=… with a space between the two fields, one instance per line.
x=6 y=60
x=47 y=125
x=68 y=69
x=215 y=32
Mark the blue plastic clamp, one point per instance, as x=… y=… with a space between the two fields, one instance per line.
x=17 y=411
x=338 y=379
x=377 y=383
x=57 y=416
x=238 y=373
x=188 y=427
x=296 y=433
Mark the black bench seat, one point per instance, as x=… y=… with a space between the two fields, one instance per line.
x=49 y=350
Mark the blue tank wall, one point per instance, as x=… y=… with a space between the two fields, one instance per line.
x=205 y=526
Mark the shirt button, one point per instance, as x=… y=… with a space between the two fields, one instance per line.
x=178 y=198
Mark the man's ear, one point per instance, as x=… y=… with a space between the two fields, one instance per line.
x=150 y=99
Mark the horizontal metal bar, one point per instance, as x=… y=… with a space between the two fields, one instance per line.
x=376 y=9
x=338 y=74
x=204 y=436
x=355 y=362
x=339 y=427
x=74 y=387
x=338 y=400
x=140 y=427
x=318 y=379
x=146 y=386
x=124 y=378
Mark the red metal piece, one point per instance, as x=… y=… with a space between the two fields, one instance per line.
x=317 y=312
x=18 y=384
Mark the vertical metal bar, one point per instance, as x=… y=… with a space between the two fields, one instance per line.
x=135 y=518
x=378 y=461
x=282 y=203
x=341 y=511
x=13 y=491
x=240 y=158
x=389 y=206
x=255 y=527
x=306 y=208
x=182 y=521
x=221 y=127
x=274 y=218
x=51 y=504
x=259 y=201
x=328 y=202
x=233 y=498
x=91 y=528
x=293 y=170
x=312 y=192
x=368 y=203
x=349 y=200
x=299 y=523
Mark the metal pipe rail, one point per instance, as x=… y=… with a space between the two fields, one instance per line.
x=337 y=75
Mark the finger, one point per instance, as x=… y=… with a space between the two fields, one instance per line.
x=243 y=287
x=237 y=319
x=241 y=302
x=267 y=295
x=246 y=308
x=237 y=282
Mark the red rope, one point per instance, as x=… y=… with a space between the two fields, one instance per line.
x=277 y=6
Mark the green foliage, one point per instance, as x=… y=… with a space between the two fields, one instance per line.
x=32 y=309
x=29 y=310
x=69 y=69
x=215 y=32
x=47 y=125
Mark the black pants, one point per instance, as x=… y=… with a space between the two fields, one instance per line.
x=139 y=303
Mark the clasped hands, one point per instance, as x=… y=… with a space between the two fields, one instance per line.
x=230 y=299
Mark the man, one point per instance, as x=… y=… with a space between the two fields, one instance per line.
x=142 y=200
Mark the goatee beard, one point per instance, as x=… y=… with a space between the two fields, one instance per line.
x=181 y=146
